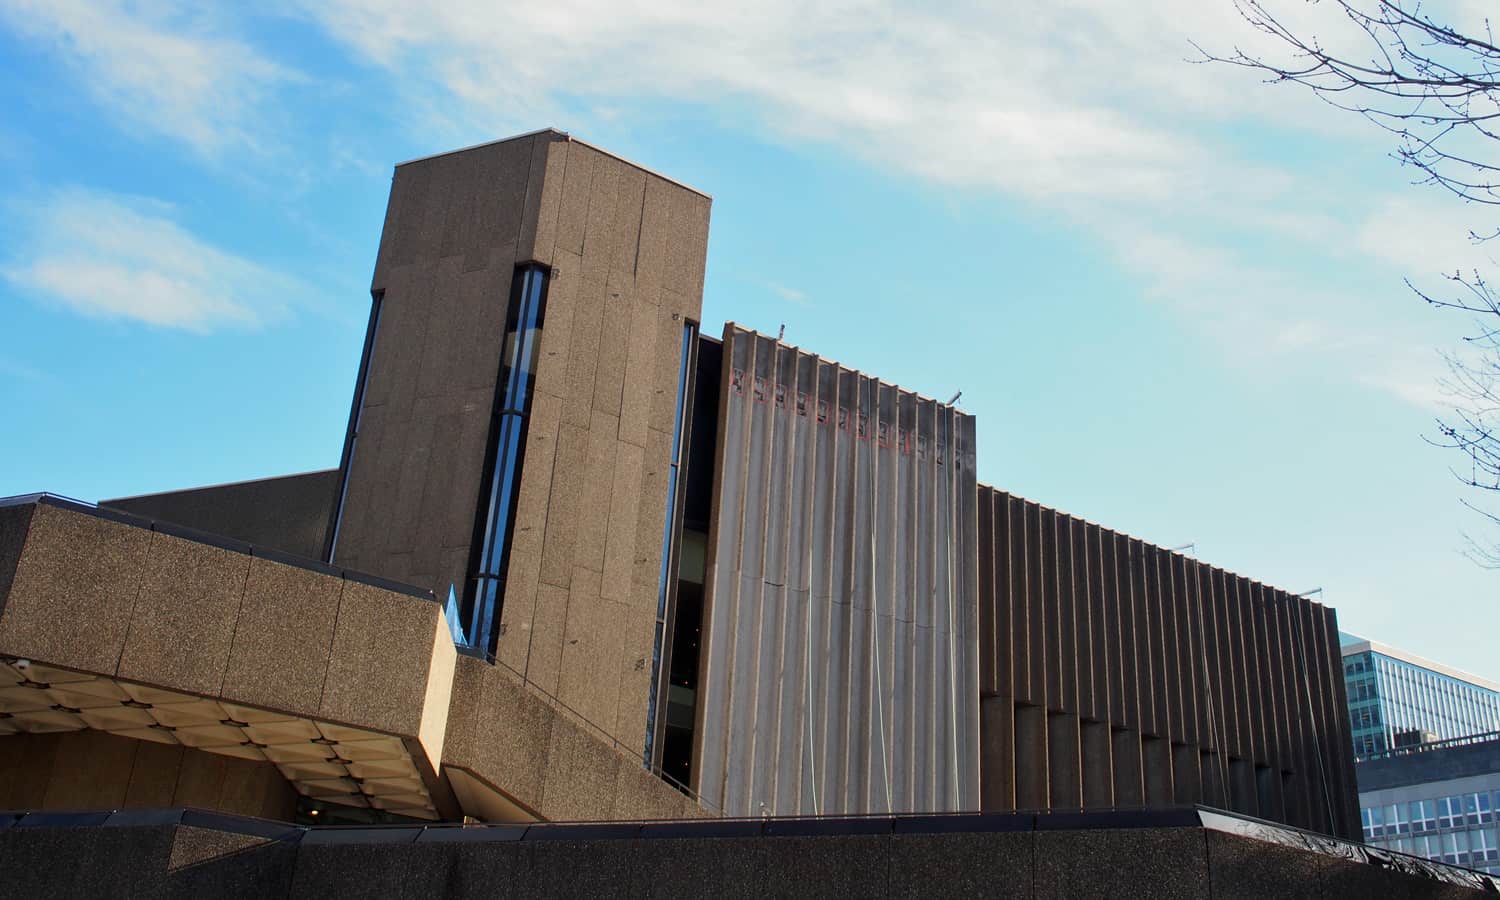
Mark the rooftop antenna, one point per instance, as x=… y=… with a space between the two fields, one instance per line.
x=1190 y=546
x=1316 y=590
x=955 y=398
x=782 y=333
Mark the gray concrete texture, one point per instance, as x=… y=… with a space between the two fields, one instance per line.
x=1115 y=673
x=224 y=858
x=839 y=673
x=289 y=513
x=626 y=251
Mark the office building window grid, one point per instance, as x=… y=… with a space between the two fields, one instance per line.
x=1457 y=828
x=1387 y=696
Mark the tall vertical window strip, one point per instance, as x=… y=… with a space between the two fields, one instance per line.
x=669 y=531
x=496 y=511
x=355 y=415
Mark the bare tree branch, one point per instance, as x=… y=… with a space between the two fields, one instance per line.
x=1436 y=89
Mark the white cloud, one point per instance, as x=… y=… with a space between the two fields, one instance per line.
x=124 y=258
x=157 y=66
x=1084 y=106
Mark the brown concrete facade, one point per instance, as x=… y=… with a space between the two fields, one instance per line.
x=1110 y=673
x=1115 y=673
x=156 y=649
x=289 y=513
x=625 y=251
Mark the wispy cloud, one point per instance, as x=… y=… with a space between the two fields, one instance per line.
x=1082 y=108
x=157 y=66
x=790 y=295
x=14 y=368
x=125 y=258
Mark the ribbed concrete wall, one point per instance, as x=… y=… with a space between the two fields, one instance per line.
x=839 y=667
x=1115 y=673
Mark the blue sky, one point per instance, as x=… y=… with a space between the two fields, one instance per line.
x=1172 y=296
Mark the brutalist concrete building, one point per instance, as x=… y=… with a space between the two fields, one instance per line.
x=582 y=561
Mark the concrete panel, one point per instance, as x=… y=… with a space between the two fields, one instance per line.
x=592 y=643
x=1121 y=862
x=503 y=735
x=282 y=638
x=378 y=665
x=582 y=774
x=633 y=675
x=15 y=524
x=624 y=230
x=989 y=636
x=1129 y=771
x=646 y=355
x=1156 y=763
x=593 y=295
x=687 y=243
x=549 y=626
x=614 y=346
x=554 y=164
x=563 y=289
x=183 y=624
x=1098 y=766
x=100 y=862
x=962 y=865
x=565 y=505
x=379 y=869
x=153 y=774
x=205 y=862
x=640 y=795
x=577 y=190
x=1064 y=762
x=1032 y=777
x=71 y=599
x=997 y=754
x=91 y=770
x=625 y=501
x=597 y=481
x=200 y=780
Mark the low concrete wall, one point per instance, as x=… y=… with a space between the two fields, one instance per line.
x=1180 y=854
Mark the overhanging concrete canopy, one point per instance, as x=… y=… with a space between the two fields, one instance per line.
x=342 y=683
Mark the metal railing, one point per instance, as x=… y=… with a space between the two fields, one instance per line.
x=1394 y=752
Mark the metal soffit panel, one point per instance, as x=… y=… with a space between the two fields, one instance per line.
x=840 y=667
x=322 y=760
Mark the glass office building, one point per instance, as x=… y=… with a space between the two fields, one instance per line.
x=1397 y=698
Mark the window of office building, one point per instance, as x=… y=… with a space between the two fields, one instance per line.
x=1477 y=809
x=1423 y=815
x=1456 y=847
x=495 y=519
x=1396 y=822
x=1450 y=812
x=1483 y=846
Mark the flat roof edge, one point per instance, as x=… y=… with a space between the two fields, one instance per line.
x=571 y=139
x=1420 y=662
